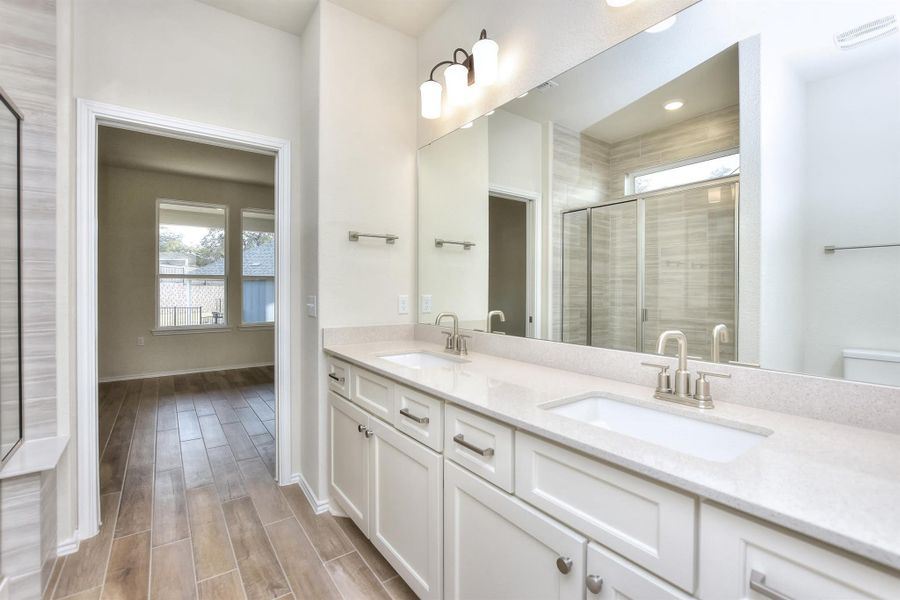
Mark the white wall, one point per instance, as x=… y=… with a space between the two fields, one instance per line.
x=453 y=188
x=189 y=60
x=127 y=276
x=514 y=154
x=538 y=39
x=852 y=198
x=366 y=182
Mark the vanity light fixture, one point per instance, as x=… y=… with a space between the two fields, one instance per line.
x=662 y=25
x=673 y=105
x=619 y=3
x=476 y=68
x=467 y=125
x=522 y=96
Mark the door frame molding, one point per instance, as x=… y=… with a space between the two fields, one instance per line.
x=90 y=116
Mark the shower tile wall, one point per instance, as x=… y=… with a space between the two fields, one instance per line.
x=701 y=135
x=614 y=273
x=580 y=178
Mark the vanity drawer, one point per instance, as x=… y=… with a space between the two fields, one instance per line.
x=373 y=393
x=650 y=524
x=737 y=552
x=479 y=444
x=339 y=377
x=419 y=416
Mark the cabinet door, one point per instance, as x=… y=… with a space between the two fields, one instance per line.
x=406 y=507
x=349 y=477
x=497 y=547
x=745 y=558
x=610 y=577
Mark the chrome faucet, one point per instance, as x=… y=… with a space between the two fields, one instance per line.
x=456 y=343
x=488 y=327
x=702 y=398
x=720 y=335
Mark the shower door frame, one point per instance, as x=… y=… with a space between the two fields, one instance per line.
x=640 y=199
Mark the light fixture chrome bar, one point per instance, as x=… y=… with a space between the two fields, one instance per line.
x=833 y=249
x=388 y=238
x=439 y=243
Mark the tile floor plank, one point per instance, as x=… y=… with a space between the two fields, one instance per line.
x=224 y=411
x=225 y=471
x=172 y=572
x=323 y=530
x=240 y=442
x=265 y=445
x=213 y=435
x=250 y=421
x=222 y=587
x=170 y=519
x=196 y=465
x=129 y=568
x=354 y=579
x=261 y=409
x=307 y=575
x=189 y=426
x=211 y=546
x=398 y=590
x=184 y=399
x=260 y=571
x=366 y=550
x=168 y=450
x=270 y=504
x=85 y=569
x=115 y=456
x=135 y=512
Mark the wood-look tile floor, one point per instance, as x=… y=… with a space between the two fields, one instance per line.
x=191 y=509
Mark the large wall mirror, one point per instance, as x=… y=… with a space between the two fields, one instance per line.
x=10 y=279
x=733 y=173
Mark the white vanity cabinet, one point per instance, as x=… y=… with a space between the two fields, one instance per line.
x=496 y=546
x=390 y=485
x=405 y=483
x=741 y=557
x=610 y=577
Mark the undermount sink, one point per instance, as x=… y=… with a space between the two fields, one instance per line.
x=703 y=439
x=422 y=360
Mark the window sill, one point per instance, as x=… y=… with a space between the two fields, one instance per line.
x=190 y=330
x=256 y=326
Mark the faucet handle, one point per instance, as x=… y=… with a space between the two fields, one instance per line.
x=449 y=343
x=464 y=344
x=702 y=393
x=663 y=381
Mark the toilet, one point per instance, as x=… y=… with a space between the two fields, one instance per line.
x=872 y=366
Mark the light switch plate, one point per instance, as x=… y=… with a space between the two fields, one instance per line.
x=403 y=304
x=426 y=304
x=311 y=306
x=140 y=341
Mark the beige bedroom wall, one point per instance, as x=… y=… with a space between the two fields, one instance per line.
x=127 y=296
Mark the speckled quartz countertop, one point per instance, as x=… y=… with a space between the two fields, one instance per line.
x=832 y=482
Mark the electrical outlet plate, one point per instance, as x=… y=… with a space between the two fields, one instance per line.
x=426 y=304
x=140 y=341
x=403 y=304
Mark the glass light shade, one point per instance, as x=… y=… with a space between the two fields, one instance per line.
x=662 y=25
x=430 y=94
x=456 y=77
x=485 y=53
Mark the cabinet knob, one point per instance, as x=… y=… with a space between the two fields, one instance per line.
x=369 y=433
x=564 y=564
x=594 y=583
x=360 y=428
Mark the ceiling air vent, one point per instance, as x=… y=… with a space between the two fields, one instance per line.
x=546 y=86
x=873 y=30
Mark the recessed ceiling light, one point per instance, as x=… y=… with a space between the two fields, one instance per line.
x=619 y=3
x=673 y=104
x=662 y=25
x=523 y=95
x=467 y=125
x=490 y=113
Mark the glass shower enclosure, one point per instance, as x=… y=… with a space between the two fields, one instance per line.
x=639 y=266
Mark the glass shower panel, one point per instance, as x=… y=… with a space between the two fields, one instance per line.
x=574 y=283
x=689 y=270
x=614 y=276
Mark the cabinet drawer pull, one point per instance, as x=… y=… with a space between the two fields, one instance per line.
x=336 y=378
x=405 y=412
x=758 y=585
x=461 y=440
x=594 y=583
x=564 y=564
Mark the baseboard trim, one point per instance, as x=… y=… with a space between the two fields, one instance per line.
x=318 y=506
x=183 y=372
x=69 y=545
